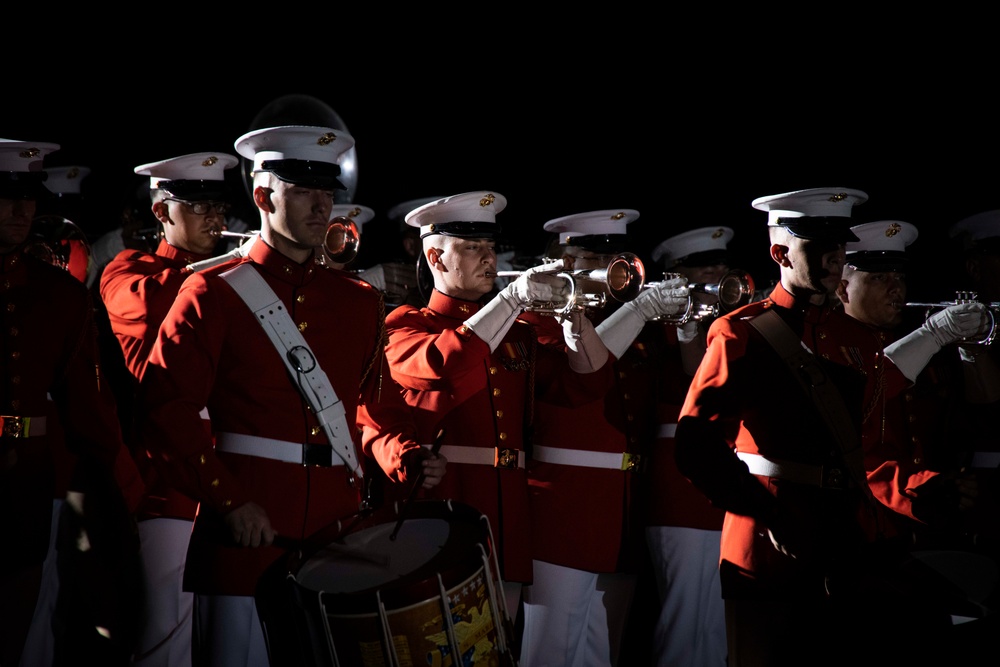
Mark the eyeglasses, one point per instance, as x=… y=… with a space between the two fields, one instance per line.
x=203 y=207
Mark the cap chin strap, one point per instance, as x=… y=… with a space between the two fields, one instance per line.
x=298 y=358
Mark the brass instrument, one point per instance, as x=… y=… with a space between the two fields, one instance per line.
x=624 y=277
x=960 y=298
x=60 y=242
x=734 y=289
x=340 y=244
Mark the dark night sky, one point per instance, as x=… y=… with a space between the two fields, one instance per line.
x=686 y=150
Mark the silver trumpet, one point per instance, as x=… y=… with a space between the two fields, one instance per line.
x=623 y=276
x=734 y=289
x=960 y=298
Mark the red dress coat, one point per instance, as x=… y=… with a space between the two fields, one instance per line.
x=744 y=398
x=482 y=400
x=212 y=352
x=670 y=498
x=49 y=348
x=138 y=289
x=590 y=518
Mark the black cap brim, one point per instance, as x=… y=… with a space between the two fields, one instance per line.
x=24 y=185
x=306 y=173
x=191 y=190
x=816 y=228
x=879 y=262
x=465 y=229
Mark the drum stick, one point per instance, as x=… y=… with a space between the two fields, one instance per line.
x=417 y=483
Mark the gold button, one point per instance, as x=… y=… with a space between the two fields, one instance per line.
x=917 y=460
x=10 y=307
x=215 y=482
x=499 y=414
x=15 y=379
x=201 y=459
x=503 y=436
x=826 y=356
x=303 y=325
x=463 y=308
x=631 y=417
x=493 y=370
x=633 y=439
x=6 y=284
x=913 y=418
x=496 y=392
x=626 y=396
x=13 y=331
x=286 y=268
x=822 y=335
x=314 y=430
x=16 y=354
x=300 y=298
x=621 y=374
x=227 y=503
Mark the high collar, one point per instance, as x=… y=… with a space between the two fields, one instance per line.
x=453 y=307
x=185 y=257
x=274 y=263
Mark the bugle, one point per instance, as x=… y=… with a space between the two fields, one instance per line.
x=623 y=276
x=734 y=289
x=960 y=298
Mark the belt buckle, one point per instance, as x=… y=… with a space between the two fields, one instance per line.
x=12 y=426
x=505 y=458
x=631 y=462
x=833 y=478
x=317 y=455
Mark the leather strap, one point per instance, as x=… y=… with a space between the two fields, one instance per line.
x=298 y=357
x=824 y=393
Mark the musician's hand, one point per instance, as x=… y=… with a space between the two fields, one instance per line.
x=433 y=468
x=538 y=283
x=250 y=526
x=958 y=322
x=421 y=461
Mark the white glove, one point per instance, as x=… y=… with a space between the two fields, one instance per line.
x=688 y=332
x=236 y=253
x=668 y=297
x=495 y=319
x=911 y=353
x=586 y=351
x=539 y=284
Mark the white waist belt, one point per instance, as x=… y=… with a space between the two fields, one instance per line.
x=582 y=458
x=667 y=431
x=802 y=473
x=985 y=459
x=490 y=456
x=277 y=450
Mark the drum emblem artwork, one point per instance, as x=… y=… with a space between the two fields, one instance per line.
x=428 y=593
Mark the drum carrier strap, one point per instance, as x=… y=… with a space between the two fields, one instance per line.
x=298 y=357
x=817 y=385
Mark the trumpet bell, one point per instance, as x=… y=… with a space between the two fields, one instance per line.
x=735 y=289
x=625 y=276
x=342 y=240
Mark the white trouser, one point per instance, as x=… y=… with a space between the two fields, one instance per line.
x=39 y=647
x=165 y=637
x=227 y=632
x=691 y=628
x=574 y=618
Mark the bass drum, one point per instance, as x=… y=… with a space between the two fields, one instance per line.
x=60 y=242
x=422 y=592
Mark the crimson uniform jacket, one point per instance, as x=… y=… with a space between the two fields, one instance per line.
x=138 y=289
x=744 y=398
x=590 y=518
x=49 y=348
x=211 y=351
x=671 y=499
x=482 y=400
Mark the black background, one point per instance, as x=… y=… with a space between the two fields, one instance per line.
x=666 y=132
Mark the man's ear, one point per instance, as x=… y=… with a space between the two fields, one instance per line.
x=262 y=198
x=162 y=212
x=842 y=291
x=434 y=259
x=779 y=253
